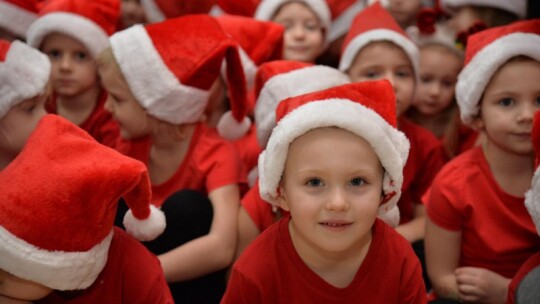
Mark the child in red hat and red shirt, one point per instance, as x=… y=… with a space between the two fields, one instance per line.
x=159 y=78
x=72 y=33
x=57 y=242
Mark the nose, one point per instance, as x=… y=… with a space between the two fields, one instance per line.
x=526 y=112
x=297 y=31
x=338 y=200
x=65 y=63
x=392 y=78
x=435 y=88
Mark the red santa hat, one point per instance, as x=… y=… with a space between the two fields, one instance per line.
x=58 y=202
x=375 y=24
x=170 y=67
x=18 y=15
x=90 y=22
x=267 y=9
x=367 y=109
x=244 y=8
x=282 y=79
x=160 y=10
x=517 y=7
x=24 y=73
x=486 y=52
x=532 y=197
x=343 y=13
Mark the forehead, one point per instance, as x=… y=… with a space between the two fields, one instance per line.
x=381 y=51
x=295 y=10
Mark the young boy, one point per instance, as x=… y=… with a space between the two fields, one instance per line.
x=24 y=78
x=57 y=242
x=334 y=161
x=72 y=33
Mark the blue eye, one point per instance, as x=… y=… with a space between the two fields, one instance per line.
x=314 y=182
x=506 y=102
x=357 y=181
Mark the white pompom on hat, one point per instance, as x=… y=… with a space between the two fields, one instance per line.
x=18 y=15
x=517 y=7
x=58 y=202
x=24 y=74
x=367 y=109
x=486 y=52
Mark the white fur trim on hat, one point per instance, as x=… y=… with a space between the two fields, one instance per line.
x=390 y=145
x=152 y=11
x=290 y=84
x=518 y=7
x=231 y=129
x=147 y=229
x=268 y=8
x=58 y=270
x=156 y=88
x=532 y=200
x=15 y=19
x=24 y=74
x=341 y=25
x=475 y=76
x=362 y=40
x=92 y=36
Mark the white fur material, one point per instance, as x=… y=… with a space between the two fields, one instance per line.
x=248 y=66
x=391 y=217
x=146 y=229
x=15 y=19
x=518 y=7
x=341 y=25
x=532 y=200
x=156 y=88
x=58 y=270
x=94 y=38
x=362 y=40
x=152 y=11
x=391 y=145
x=290 y=84
x=475 y=76
x=268 y=8
x=231 y=129
x=23 y=75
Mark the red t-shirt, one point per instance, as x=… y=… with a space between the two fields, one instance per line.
x=211 y=163
x=426 y=158
x=99 y=124
x=497 y=231
x=249 y=149
x=530 y=264
x=132 y=275
x=271 y=271
x=259 y=210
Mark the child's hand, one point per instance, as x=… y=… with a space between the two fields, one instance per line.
x=481 y=285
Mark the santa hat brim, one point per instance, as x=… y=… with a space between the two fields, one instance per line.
x=15 y=19
x=341 y=25
x=475 y=76
x=152 y=11
x=94 y=38
x=391 y=145
x=532 y=200
x=72 y=270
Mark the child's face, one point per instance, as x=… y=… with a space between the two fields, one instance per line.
x=332 y=185
x=122 y=105
x=463 y=18
x=439 y=69
x=73 y=70
x=404 y=11
x=132 y=13
x=385 y=60
x=18 y=123
x=304 y=37
x=16 y=288
x=508 y=105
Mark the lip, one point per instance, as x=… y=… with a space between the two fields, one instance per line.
x=525 y=135
x=65 y=81
x=336 y=225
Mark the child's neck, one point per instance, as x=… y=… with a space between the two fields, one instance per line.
x=78 y=108
x=513 y=172
x=167 y=154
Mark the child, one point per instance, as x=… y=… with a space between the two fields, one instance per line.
x=195 y=174
x=306 y=25
x=334 y=161
x=58 y=242
x=274 y=82
x=16 y=17
x=72 y=33
x=479 y=232
x=160 y=10
x=24 y=77
x=404 y=11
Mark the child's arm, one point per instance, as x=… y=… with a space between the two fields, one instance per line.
x=213 y=251
x=481 y=285
x=443 y=249
x=415 y=229
x=247 y=231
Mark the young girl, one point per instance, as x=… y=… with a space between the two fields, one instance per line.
x=306 y=25
x=72 y=33
x=17 y=16
x=195 y=174
x=479 y=232
x=24 y=78
x=334 y=161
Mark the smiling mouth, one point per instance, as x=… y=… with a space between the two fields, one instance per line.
x=336 y=224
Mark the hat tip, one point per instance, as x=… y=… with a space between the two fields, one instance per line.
x=145 y=229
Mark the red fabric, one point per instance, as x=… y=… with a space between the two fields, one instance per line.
x=259 y=210
x=528 y=266
x=29 y=5
x=497 y=231
x=271 y=271
x=4 y=48
x=210 y=163
x=99 y=124
x=337 y=7
x=249 y=148
x=132 y=275
x=426 y=158
x=239 y=7
x=268 y=70
x=175 y=8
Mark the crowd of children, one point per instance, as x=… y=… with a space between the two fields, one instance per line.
x=269 y=151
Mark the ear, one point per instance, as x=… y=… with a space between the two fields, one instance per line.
x=282 y=199
x=478 y=123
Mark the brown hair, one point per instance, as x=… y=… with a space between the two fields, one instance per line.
x=493 y=17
